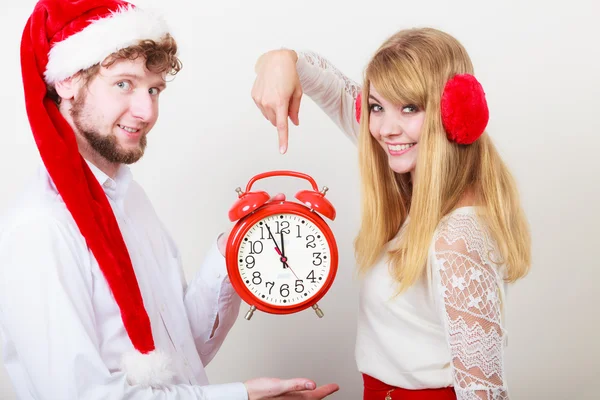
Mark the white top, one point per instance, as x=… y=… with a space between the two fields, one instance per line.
x=62 y=332
x=447 y=329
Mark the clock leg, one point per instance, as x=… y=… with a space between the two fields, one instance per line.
x=318 y=311
x=250 y=312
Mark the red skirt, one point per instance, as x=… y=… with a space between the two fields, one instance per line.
x=377 y=390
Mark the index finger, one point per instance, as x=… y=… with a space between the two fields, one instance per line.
x=281 y=116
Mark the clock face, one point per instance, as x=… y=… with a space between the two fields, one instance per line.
x=284 y=259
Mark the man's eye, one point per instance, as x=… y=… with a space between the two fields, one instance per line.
x=411 y=108
x=124 y=85
x=375 y=108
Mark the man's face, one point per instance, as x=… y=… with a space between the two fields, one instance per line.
x=117 y=109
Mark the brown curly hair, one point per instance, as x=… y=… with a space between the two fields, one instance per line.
x=161 y=57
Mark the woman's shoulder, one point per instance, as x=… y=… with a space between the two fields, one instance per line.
x=465 y=231
x=465 y=219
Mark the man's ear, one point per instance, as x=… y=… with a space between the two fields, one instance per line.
x=67 y=88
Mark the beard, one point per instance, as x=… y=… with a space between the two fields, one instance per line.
x=107 y=145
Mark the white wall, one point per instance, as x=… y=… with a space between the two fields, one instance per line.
x=538 y=61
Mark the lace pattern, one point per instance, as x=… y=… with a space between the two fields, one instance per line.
x=351 y=87
x=470 y=285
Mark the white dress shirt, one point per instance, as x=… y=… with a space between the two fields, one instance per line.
x=62 y=332
x=445 y=330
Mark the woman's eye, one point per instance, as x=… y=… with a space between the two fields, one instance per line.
x=375 y=108
x=154 y=91
x=124 y=85
x=411 y=108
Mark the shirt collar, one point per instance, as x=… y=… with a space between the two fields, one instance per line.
x=114 y=188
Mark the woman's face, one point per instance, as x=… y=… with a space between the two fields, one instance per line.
x=397 y=128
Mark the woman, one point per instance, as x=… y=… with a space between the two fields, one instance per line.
x=442 y=227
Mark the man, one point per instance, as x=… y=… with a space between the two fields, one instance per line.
x=93 y=301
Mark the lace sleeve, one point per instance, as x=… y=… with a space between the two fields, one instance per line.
x=331 y=90
x=470 y=287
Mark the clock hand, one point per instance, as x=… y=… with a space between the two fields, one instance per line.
x=272 y=237
x=283 y=259
x=288 y=266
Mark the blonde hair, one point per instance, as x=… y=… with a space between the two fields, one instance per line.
x=412 y=67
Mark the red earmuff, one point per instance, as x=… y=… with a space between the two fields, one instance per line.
x=464 y=109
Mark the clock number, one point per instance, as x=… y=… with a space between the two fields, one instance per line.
x=299 y=235
x=272 y=286
x=299 y=286
x=311 y=276
x=284 y=227
x=262 y=234
x=317 y=256
x=255 y=248
x=311 y=242
x=285 y=288
x=250 y=262
x=256 y=279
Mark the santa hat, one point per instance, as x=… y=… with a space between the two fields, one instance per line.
x=61 y=38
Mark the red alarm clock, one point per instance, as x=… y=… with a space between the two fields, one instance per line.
x=281 y=255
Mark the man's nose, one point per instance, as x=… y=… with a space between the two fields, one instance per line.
x=142 y=106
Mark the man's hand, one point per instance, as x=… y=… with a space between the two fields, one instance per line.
x=222 y=241
x=287 y=389
x=277 y=91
